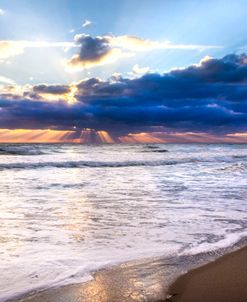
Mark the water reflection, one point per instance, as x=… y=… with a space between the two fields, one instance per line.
x=68 y=210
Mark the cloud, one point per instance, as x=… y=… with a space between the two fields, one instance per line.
x=209 y=97
x=9 y=49
x=94 y=51
x=5 y=80
x=51 y=89
x=140 y=70
x=2 y=12
x=137 y=44
x=100 y=50
x=13 y=48
x=87 y=23
x=53 y=93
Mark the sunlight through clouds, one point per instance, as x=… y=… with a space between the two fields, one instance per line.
x=14 y=48
x=119 y=79
x=101 y=50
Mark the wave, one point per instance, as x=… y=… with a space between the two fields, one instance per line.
x=228 y=241
x=90 y=164
x=157 y=151
x=16 y=150
x=152 y=146
x=173 y=264
x=242 y=156
x=121 y=164
x=236 y=167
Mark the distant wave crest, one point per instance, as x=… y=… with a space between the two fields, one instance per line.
x=19 y=150
x=89 y=164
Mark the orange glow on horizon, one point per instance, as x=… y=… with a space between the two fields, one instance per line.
x=35 y=136
x=141 y=138
x=89 y=136
x=183 y=137
x=54 y=136
x=105 y=137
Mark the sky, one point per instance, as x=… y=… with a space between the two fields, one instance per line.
x=123 y=71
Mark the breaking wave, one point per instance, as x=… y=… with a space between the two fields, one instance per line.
x=20 y=150
x=90 y=164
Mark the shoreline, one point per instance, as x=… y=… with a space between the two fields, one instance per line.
x=130 y=281
x=223 y=279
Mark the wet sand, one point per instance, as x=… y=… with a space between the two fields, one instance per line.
x=125 y=283
x=224 y=280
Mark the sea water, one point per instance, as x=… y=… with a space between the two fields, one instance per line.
x=67 y=210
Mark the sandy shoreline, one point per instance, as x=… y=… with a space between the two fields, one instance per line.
x=122 y=283
x=223 y=280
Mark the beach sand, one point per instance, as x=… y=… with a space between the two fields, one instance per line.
x=223 y=280
x=124 y=283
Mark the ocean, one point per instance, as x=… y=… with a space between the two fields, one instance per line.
x=68 y=210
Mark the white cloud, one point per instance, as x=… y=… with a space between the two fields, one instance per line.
x=13 y=48
x=9 y=49
x=2 y=12
x=140 y=70
x=137 y=44
x=87 y=23
x=5 y=80
x=76 y=64
x=101 y=50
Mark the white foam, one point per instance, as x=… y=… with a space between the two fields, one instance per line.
x=228 y=241
x=58 y=226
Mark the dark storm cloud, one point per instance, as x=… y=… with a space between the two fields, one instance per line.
x=51 y=89
x=231 y=69
x=210 y=96
x=92 y=49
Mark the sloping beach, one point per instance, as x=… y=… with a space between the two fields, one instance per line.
x=126 y=282
x=223 y=280
x=123 y=222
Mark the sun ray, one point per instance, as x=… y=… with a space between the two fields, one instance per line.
x=35 y=136
x=105 y=137
x=141 y=138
